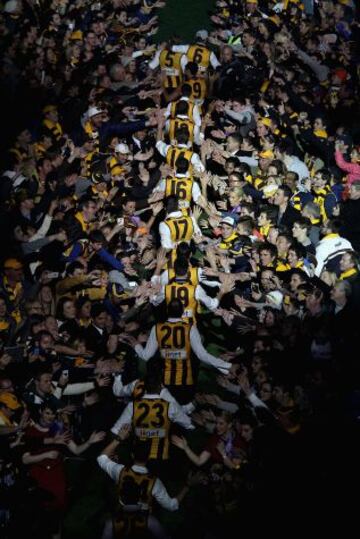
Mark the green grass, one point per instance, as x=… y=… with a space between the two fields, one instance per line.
x=184 y=18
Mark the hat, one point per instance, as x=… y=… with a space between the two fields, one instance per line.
x=341 y=74
x=11 y=6
x=93 y=111
x=10 y=400
x=267 y=154
x=202 y=34
x=77 y=35
x=346 y=139
x=228 y=221
x=49 y=108
x=274 y=299
x=270 y=190
x=118 y=291
x=97 y=177
x=266 y=121
x=122 y=148
x=12 y=263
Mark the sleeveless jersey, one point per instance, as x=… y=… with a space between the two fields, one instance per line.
x=185 y=292
x=175 y=349
x=139 y=488
x=189 y=113
x=170 y=64
x=193 y=275
x=200 y=55
x=176 y=124
x=181 y=228
x=151 y=422
x=180 y=187
x=173 y=153
x=198 y=89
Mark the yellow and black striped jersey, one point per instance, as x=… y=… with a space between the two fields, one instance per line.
x=185 y=292
x=180 y=187
x=151 y=422
x=200 y=55
x=173 y=153
x=170 y=65
x=177 y=123
x=181 y=228
x=175 y=349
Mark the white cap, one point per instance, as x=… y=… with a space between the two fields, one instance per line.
x=93 y=111
x=228 y=221
x=122 y=148
x=275 y=299
x=11 y=6
x=270 y=189
x=202 y=34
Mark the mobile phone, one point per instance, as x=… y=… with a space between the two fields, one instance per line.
x=120 y=221
x=53 y=274
x=255 y=288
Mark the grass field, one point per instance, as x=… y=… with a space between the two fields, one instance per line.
x=184 y=17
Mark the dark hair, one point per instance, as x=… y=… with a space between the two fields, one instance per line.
x=97 y=236
x=172 y=203
x=303 y=223
x=247 y=222
x=298 y=249
x=153 y=381
x=181 y=164
x=286 y=190
x=268 y=247
x=186 y=90
x=73 y=266
x=232 y=160
x=175 y=308
x=85 y=201
x=270 y=211
x=183 y=250
x=325 y=174
x=192 y=67
x=141 y=450
x=60 y=307
x=182 y=135
x=181 y=266
x=97 y=309
x=181 y=107
x=334 y=225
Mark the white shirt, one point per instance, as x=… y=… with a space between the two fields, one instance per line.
x=197 y=347
x=165 y=234
x=176 y=414
x=159 y=492
x=330 y=247
x=195 y=160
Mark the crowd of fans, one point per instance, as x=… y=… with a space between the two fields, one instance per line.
x=179 y=287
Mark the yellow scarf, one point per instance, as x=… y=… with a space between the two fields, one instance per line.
x=348 y=273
